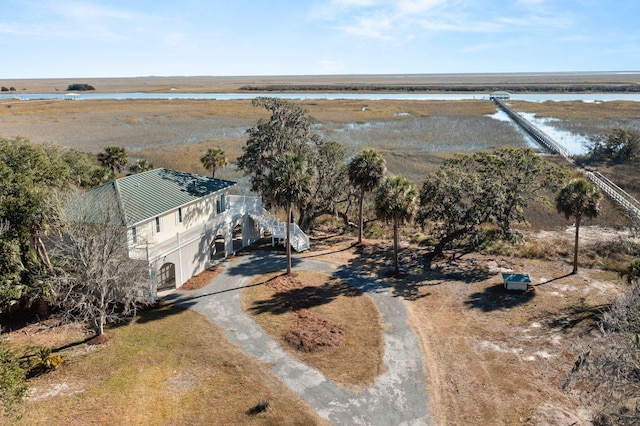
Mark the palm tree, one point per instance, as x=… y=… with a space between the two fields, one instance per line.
x=577 y=199
x=214 y=158
x=396 y=200
x=366 y=171
x=114 y=158
x=140 y=166
x=288 y=181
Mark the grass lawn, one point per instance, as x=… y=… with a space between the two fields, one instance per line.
x=170 y=367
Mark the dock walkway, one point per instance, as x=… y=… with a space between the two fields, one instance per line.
x=613 y=191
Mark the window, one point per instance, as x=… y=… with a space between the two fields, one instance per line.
x=157 y=225
x=134 y=235
x=221 y=204
x=179 y=213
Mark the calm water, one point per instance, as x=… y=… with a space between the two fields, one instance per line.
x=541 y=97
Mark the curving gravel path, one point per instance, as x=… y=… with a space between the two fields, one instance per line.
x=397 y=397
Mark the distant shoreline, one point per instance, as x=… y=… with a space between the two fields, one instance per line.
x=512 y=88
x=578 y=82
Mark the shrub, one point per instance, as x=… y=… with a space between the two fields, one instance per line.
x=618 y=146
x=39 y=360
x=13 y=384
x=80 y=87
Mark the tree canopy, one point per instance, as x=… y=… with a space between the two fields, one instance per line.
x=114 y=158
x=618 y=146
x=288 y=181
x=520 y=175
x=213 y=159
x=30 y=177
x=489 y=188
x=140 y=166
x=96 y=281
x=289 y=130
x=29 y=173
x=80 y=87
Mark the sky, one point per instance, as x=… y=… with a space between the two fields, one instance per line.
x=133 y=38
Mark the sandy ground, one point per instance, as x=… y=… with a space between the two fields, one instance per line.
x=494 y=357
x=491 y=357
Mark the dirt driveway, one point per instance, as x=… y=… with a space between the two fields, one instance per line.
x=398 y=395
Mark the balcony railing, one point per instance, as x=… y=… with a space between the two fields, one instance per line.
x=237 y=207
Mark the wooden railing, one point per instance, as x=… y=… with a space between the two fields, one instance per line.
x=617 y=194
x=538 y=135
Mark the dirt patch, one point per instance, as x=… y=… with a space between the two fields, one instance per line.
x=284 y=283
x=49 y=333
x=201 y=280
x=312 y=333
x=101 y=339
x=322 y=321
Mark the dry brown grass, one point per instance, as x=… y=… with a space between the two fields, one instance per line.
x=587 y=119
x=414 y=136
x=493 y=357
x=172 y=366
x=215 y=84
x=359 y=360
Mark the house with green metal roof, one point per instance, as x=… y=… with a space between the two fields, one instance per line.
x=183 y=223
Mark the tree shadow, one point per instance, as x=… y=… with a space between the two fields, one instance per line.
x=373 y=270
x=456 y=270
x=325 y=252
x=262 y=262
x=580 y=314
x=418 y=271
x=164 y=308
x=303 y=297
x=553 y=279
x=157 y=311
x=73 y=344
x=497 y=297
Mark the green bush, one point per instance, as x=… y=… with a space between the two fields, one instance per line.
x=80 y=87
x=38 y=360
x=13 y=382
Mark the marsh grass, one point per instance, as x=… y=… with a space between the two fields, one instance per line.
x=414 y=136
x=171 y=366
x=585 y=118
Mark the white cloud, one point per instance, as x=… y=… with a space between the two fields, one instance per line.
x=81 y=20
x=378 y=27
x=85 y=10
x=330 y=66
x=407 y=7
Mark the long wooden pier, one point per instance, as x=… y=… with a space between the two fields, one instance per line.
x=617 y=194
x=538 y=135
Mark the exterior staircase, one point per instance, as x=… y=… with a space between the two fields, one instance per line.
x=278 y=230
